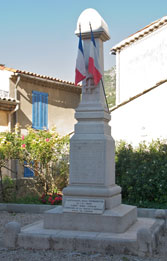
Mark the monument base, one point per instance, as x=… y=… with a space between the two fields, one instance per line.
x=141 y=238
x=116 y=220
x=110 y=194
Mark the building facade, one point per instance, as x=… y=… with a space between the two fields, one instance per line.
x=141 y=73
x=42 y=102
x=38 y=101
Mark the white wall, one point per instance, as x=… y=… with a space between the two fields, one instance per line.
x=143 y=64
x=143 y=118
x=4 y=80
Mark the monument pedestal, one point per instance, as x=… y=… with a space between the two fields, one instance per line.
x=110 y=195
x=115 y=220
x=141 y=238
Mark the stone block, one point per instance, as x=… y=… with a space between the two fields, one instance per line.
x=12 y=229
x=33 y=240
x=160 y=213
x=116 y=220
x=92 y=159
x=111 y=194
x=144 y=239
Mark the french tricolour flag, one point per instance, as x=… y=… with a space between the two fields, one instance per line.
x=80 y=71
x=93 y=64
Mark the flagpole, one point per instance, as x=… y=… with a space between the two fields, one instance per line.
x=105 y=95
x=101 y=78
x=80 y=70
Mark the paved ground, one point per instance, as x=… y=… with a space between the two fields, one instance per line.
x=49 y=255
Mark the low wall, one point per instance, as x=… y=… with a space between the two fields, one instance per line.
x=20 y=188
x=39 y=208
x=25 y=208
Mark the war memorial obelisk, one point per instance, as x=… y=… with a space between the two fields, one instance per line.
x=92 y=217
x=92 y=200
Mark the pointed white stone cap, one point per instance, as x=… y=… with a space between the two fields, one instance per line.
x=99 y=26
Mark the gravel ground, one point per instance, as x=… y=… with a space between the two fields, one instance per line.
x=49 y=255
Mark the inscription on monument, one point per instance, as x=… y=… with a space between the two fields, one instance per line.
x=87 y=152
x=92 y=206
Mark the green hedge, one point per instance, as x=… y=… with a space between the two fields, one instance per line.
x=142 y=173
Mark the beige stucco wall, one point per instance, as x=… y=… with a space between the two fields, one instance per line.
x=61 y=109
x=62 y=102
x=3 y=118
x=3 y=121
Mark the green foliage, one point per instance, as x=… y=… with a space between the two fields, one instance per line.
x=61 y=171
x=44 y=151
x=10 y=148
x=8 y=187
x=27 y=200
x=7 y=181
x=49 y=199
x=142 y=173
x=110 y=85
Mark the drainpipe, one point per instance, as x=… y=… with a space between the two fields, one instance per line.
x=10 y=118
x=17 y=106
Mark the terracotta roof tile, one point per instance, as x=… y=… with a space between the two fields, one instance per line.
x=8 y=104
x=8 y=99
x=37 y=75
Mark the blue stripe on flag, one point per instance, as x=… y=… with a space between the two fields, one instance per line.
x=80 y=44
x=92 y=38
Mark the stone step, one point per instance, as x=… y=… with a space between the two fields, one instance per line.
x=36 y=237
x=116 y=220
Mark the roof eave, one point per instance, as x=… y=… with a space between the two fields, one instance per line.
x=48 y=81
x=140 y=34
x=8 y=105
x=138 y=95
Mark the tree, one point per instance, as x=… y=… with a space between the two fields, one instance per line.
x=10 y=148
x=39 y=150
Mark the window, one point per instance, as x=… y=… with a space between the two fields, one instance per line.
x=28 y=172
x=39 y=110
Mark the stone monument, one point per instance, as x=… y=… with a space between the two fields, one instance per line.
x=92 y=217
x=92 y=200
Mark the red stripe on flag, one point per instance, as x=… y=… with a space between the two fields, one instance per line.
x=78 y=77
x=93 y=70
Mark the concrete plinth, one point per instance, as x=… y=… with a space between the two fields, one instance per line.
x=116 y=220
x=36 y=237
x=110 y=194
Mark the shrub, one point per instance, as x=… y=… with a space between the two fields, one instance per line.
x=43 y=151
x=52 y=199
x=8 y=189
x=142 y=172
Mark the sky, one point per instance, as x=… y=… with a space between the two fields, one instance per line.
x=38 y=35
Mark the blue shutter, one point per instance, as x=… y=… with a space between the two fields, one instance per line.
x=28 y=172
x=45 y=115
x=39 y=110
